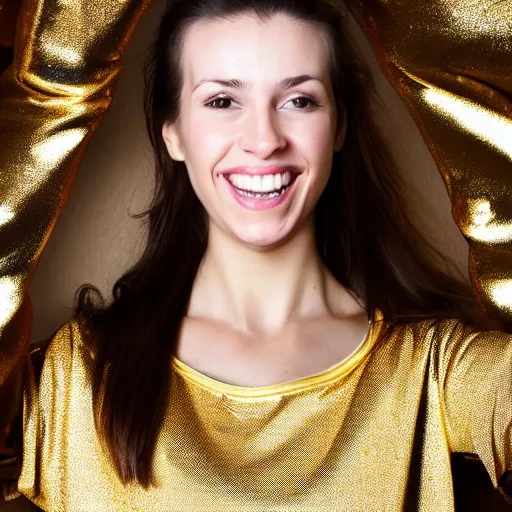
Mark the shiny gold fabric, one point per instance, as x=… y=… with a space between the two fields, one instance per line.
x=59 y=87
x=450 y=61
x=347 y=438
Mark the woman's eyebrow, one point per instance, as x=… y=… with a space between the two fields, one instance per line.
x=235 y=83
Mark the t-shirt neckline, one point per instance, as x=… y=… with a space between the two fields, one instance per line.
x=324 y=377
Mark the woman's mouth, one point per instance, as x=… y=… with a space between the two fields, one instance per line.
x=276 y=189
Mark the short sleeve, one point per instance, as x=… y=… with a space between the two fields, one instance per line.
x=47 y=369
x=474 y=371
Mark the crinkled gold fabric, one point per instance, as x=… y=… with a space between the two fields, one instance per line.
x=451 y=62
x=339 y=441
x=66 y=63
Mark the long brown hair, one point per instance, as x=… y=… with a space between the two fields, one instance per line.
x=363 y=233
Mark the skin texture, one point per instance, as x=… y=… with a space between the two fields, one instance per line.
x=261 y=279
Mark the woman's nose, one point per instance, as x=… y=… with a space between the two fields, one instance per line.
x=261 y=133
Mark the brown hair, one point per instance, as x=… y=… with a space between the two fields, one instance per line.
x=363 y=234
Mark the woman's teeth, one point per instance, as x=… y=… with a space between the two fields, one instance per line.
x=267 y=183
x=258 y=195
x=261 y=187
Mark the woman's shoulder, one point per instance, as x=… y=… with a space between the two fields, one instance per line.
x=62 y=345
x=54 y=352
x=448 y=336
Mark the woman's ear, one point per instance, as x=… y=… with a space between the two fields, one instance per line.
x=171 y=136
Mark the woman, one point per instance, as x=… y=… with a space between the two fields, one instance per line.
x=217 y=377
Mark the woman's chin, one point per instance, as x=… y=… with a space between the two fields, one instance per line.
x=262 y=236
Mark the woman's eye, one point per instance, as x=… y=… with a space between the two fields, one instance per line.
x=308 y=102
x=223 y=103
x=211 y=103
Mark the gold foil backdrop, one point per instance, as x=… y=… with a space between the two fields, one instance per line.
x=451 y=62
x=59 y=86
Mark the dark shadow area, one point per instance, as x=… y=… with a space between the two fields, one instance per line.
x=473 y=487
x=6 y=56
x=19 y=505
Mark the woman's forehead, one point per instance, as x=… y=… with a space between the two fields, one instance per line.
x=253 y=50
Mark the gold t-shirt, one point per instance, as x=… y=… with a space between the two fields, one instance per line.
x=374 y=432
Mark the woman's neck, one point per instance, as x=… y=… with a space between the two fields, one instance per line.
x=260 y=291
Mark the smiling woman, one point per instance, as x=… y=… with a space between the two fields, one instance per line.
x=263 y=123
x=287 y=333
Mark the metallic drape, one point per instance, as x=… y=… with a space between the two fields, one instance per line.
x=451 y=62
x=52 y=97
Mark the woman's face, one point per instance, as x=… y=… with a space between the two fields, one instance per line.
x=273 y=131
